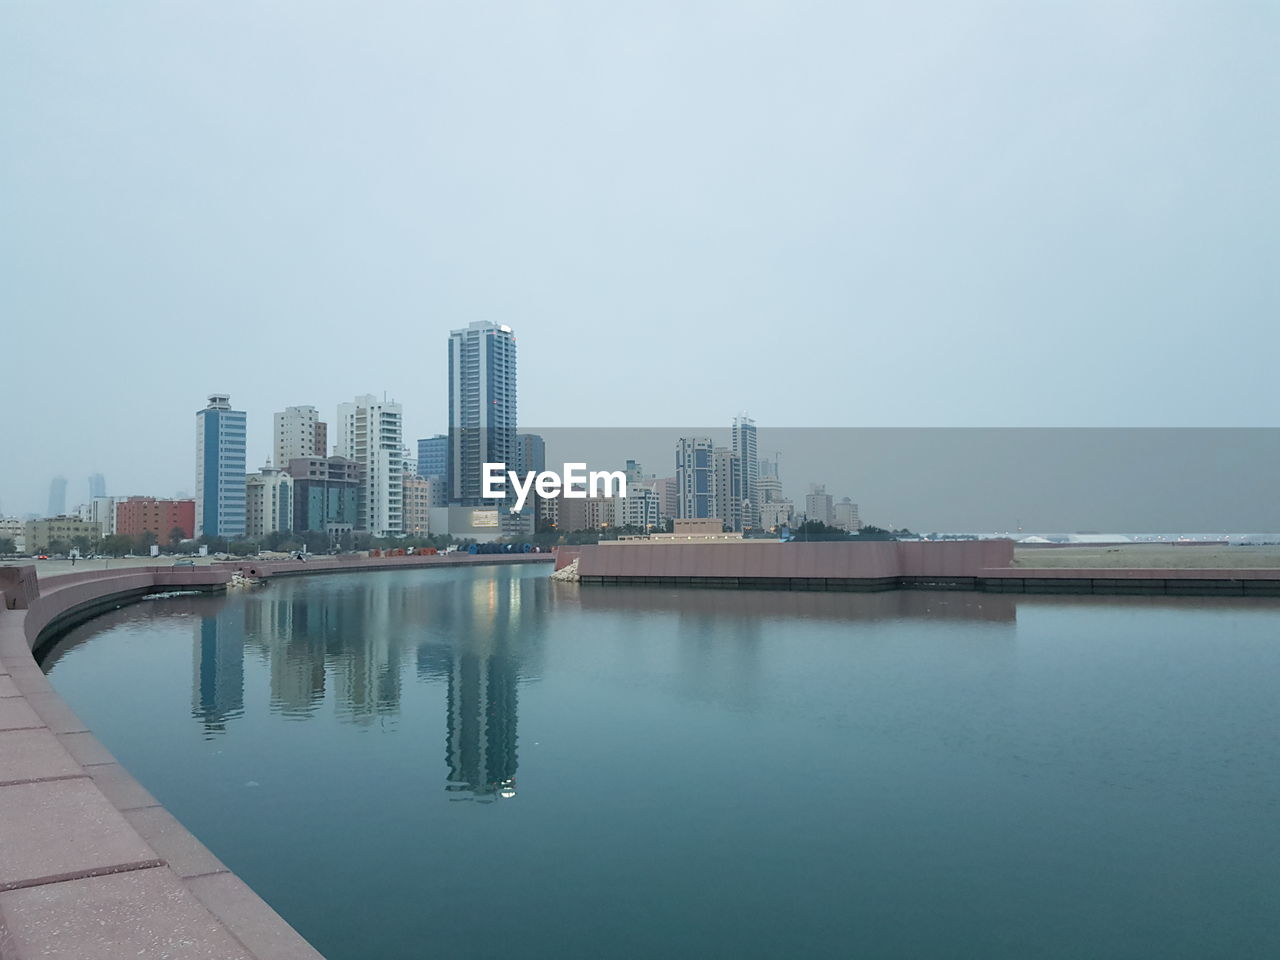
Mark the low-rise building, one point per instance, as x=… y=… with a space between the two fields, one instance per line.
x=59 y=533
x=818 y=505
x=11 y=528
x=268 y=502
x=138 y=515
x=416 y=492
x=325 y=494
x=776 y=513
x=641 y=507
x=846 y=516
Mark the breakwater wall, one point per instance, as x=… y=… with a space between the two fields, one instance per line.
x=983 y=565
x=91 y=865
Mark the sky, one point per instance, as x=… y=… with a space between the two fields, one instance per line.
x=948 y=214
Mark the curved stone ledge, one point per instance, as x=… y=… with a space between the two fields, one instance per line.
x=91 y=866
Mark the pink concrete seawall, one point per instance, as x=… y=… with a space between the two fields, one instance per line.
x=985 y=565
x=92 y=867
x=845 y=562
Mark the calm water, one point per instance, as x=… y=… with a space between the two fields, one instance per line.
x=710 y=773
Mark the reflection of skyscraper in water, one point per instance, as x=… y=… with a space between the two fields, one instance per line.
x=480 y=741
x=481 y=665
x=218 y=689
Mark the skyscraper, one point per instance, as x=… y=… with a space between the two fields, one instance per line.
x=97 y=485
x=694 y=478
x=482 y=406
x=371 y=432
x=58 y=497
x=220 y=461
x=299 y=432
x=744 y=445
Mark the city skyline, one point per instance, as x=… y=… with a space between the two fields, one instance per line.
x=1013 y=250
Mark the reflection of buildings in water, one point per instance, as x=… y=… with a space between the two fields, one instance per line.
x=485 y=630
x=275 y=623
x=820 y=605
x=480 y=738
x=366 y=673
x=477 y=631
x=218 y=681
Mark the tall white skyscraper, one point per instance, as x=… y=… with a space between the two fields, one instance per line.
x=482 y=406
x=371 y=432
x=299 y=432
x=744 y=445
x=220 y=459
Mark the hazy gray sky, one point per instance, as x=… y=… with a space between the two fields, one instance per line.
x=840 y=214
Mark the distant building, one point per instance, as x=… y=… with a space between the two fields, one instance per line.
x=744 y=444
x=11 y=528
x=299 y=432
x=641 y=507
x=268 y=502
x=417 y=505
x=776 y=513
x=726 y=471
x=818 y=505
x=102 y=511
x=845 y=516
x=587 y=513
x=326 y=493
x=531 y=453
x=138 y=515
x=437 y=491
x=433 y=457
x=42 y=535
x=97 y=485
x=668 y=497
x=370 y=432
x=694 y=480
x=220 y=469
x=482 y=406
x=768 y=484
x=58 y=497
x=549 y=512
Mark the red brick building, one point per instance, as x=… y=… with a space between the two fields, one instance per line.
x=137 y=515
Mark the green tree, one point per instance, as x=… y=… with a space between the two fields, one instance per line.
x=83 y=543
x=58 y=546
x=176 y=536
x=816 y=530
x=116 y=545
x=146 y=540
x=7 y=545
x=215 y=544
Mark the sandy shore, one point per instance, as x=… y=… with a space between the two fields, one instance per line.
x=1157 y=555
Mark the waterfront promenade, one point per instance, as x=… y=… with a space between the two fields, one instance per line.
x=92 y=867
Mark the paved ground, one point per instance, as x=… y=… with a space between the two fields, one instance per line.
x=1156 y=555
